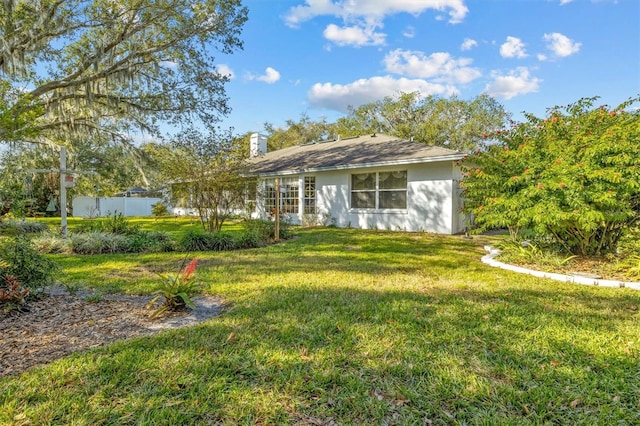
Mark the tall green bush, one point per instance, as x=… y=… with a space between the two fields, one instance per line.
x=20 y=260
x=573 y=176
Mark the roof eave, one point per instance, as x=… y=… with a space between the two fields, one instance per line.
x=440 y=158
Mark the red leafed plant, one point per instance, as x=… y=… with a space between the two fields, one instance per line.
x=177 y=290
x=12 y=292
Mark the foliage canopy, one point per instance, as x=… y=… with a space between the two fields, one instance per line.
x=573 y=177
x=449 y=122
x=73 y=67
x=205 y=171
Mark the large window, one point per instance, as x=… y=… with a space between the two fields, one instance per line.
x=310 y=195
x=270 y=196
x=382 y=190
x=289 y=195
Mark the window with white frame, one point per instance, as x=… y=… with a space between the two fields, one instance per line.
x=289 y=195
x=310 y=206
x=269 y=196
x=379 y=190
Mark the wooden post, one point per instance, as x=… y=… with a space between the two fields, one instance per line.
x=276 y=231
x=63 y=185
x=63 y=190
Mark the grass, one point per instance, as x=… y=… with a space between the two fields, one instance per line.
x=351 y=327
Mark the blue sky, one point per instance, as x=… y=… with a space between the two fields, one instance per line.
x=319 y=56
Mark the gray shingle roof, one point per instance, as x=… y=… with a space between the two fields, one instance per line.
x=362 y=151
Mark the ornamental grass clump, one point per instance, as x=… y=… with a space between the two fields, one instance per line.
x=176 y=290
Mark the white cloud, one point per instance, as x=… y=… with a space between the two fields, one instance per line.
x=439 y=66
x=563 y=2
x=354 y=36
x=468 y=44
x=513 y=48
x=517 y=82
x=409 y=32
x=270 y=76
x=542 y=57
x=339 y=97
x=561 y=45
x=226 y=71
x=378 y=9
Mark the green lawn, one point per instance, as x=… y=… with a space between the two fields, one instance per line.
x=351 y=327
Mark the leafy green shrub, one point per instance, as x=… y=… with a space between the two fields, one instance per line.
x=250 y=239
x=259 y=230
x=150 y=242
x=223 y=241
x=159 y=209
x=114 y=224
x=49 y=243
x=98 y=242
x=572 y=176
x=196 y=240
x=23 y=226
x=630 y=243
x=20 y=260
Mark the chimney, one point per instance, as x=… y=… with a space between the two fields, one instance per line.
x=257 y=145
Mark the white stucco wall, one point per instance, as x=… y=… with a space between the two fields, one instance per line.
x=433 y=202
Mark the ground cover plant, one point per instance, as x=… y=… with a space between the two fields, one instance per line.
x=342 y=326
x=118 y=234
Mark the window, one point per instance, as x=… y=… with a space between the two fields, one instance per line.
x=392 y=187
x=383 y=190
x=310 y=195
x=270 y=196
x=363 y=191
x=289 y=195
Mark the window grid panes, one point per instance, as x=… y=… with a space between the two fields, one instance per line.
x=310 y=195
x=290 y=195
x=270 y=196
x=383 y=190
x=363 y=191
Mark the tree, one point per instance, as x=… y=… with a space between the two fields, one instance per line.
x=573 y=177
x=298 y=132
x=70 y=68
x=115 y=169
x=451 y=123
x=205 y=170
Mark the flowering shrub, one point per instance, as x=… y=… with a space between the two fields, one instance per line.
x=177 y=290
x=573 y=177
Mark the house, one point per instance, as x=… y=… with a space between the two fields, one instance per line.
x=369 y=182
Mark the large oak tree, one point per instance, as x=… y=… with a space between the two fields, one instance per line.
x=70 y=68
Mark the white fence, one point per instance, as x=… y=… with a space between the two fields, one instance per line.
x=104 y=206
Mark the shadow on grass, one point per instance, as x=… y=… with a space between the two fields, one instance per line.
x=307 y=352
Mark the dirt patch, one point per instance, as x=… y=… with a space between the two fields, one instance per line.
x=58 y=324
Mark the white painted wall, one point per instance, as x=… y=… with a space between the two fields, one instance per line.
x=104 y=206
x=433 y=200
